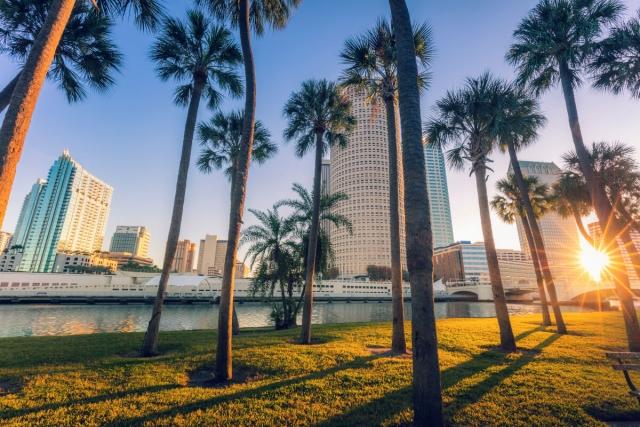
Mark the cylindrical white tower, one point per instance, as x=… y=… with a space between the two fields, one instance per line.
x=362 y=172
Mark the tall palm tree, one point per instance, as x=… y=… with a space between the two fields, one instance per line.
x=615 y=64
x=509 y=206
x=371 y=68
x=470 y=120
x=201 y=56
x=319 y=117
x=86 y=55
x=427 y=390
x=303 y=216
x=520 y=124
x=553 y=45
x=571 y=200
x=272 y=244
x=245 y=15
x=37 y=64
x=221 y=138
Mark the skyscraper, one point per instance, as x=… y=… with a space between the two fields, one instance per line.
x=560 y=235
x=70 y=214
x=185 y=255
x=211 y=255
x=325 y=185
x=361 y=170
x=438 y=196
x=25 y=220
x=5 y=238
x=131 y=238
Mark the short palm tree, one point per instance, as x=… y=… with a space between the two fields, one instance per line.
x=470 y=120
x=319 y=117
x=520 y=124
x=201 y=56
x=303 y=216
x=553 y=45
x=221 y=138
x=245 y=15
x=571 y=200
x=371 y=68
x=427 y=390
x=508 y=205
x=86 y=55
x=272 y=245
x=615 y=64
x=37 y=64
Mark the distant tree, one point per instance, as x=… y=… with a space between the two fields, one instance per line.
x=319 y=117
x=139 y=268
x=331 y=273
x=201 y=56
x=508 y=205
x=379 y=273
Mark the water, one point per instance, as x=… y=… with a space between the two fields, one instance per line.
x=39 y=320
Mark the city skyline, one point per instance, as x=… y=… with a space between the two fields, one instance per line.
x=118 y=153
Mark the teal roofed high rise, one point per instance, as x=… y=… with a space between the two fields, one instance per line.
x=438 y=196
x=67 y=213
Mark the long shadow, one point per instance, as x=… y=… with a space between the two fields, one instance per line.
x=14 y=413
x=359 y=362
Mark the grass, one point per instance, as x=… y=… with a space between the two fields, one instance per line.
x=98 y=380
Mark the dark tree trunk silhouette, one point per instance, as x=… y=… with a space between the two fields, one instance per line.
x=5 y=94
x=150 y=343
x=604 y=212
x=537 y=239
x=427 y=390
x=398 y=342
x=25 y=95
x=224 y=361
x=507 y=341
x=235 y=323
x=313 y=243
x=546 y=318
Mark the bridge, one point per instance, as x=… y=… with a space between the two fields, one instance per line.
x=476 y=291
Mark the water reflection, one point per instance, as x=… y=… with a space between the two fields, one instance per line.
x=38 y=320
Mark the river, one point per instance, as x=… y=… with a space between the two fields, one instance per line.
x=41 y=319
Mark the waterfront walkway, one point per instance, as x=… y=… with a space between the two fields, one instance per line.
x=344 y=379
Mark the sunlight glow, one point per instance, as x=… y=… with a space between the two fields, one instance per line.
x=593 y=261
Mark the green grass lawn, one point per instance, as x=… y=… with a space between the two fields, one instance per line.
x=98 y=380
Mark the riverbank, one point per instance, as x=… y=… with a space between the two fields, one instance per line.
x=342 y=380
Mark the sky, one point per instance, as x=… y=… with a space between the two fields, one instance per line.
x=130 y=137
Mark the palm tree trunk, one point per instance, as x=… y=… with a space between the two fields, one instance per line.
x=427 y=390
x=546 y=318
x=224 y=362
x=150 y=343
x=25 y=95
x=235 y=323
x=583 y=231
x=5 y=94
x=313 y=244
x=507 y=341
x=537 y=239
x=604 y=212
x=398 y=342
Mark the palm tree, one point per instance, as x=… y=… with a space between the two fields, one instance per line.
x=245 y=15
x=519 y=127
x=319 y=116
x=221 y=138
x=37 y=64
x=86 y=55
x=509 y=206
x=571 y=199
x=553 y=45
x=470 y=120
x=371 y=68
x=201 y=56
x=272 y=245
x=427 y=390
x=615 y=63
x=303 y=216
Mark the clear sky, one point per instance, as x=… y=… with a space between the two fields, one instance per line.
x=130 y=137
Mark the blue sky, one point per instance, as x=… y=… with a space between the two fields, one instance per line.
x=130 y=137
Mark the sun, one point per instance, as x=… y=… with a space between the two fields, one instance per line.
x=593 y=261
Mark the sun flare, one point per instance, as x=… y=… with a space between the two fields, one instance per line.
x=593 y=261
